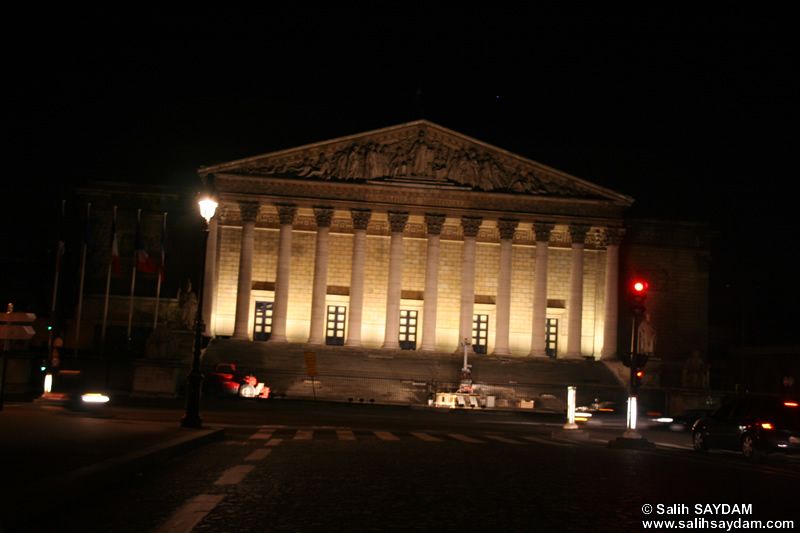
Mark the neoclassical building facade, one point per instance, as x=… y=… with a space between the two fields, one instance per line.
x=414 y=237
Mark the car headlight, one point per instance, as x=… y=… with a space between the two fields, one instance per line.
x=94 y=397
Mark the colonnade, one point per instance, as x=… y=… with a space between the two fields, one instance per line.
x=434 y=223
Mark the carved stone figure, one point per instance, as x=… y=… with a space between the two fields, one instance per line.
x=647 y=336
x=419 y=151
x=187 y=302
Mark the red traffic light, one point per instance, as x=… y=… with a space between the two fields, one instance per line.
x=638 y=295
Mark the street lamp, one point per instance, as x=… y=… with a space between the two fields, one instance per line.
x=192 y=417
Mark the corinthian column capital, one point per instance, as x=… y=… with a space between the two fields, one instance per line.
x=286 y=213
x=397 y=221
x=507 y=227
x=249 y=211
x=577 y=233
x=471 y=225
x=542 y=230
x=434 y=223
x=324 y=215
x=360 y=218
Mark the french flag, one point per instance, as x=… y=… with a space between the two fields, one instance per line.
x=143 y=261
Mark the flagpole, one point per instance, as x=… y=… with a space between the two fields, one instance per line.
x=161 y=270
x=108 y=284
x=59 y=254
x=133 y=277
x=80 y=286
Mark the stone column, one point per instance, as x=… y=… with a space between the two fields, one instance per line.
x=320 y=284
x=539 y=325
x=613 y=237
x=210 y=277
x=286 y=214
x=360 y=221
x=391 y=339
x=241 y=326
x=578 y=234
x=503 y=307
x=471 y=225
x=431 y=302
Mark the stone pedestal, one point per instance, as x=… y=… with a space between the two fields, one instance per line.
x=157 y=378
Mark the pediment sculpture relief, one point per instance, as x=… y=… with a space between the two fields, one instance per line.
x=419 y=160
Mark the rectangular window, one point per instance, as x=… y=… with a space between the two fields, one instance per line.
x=408 y=329
x=263 y=323
x=480 y=333
x=334 y=335
x=551 y=337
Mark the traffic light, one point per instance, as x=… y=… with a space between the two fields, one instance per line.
x=637 y=378
x=638 y=297
x=640 y=360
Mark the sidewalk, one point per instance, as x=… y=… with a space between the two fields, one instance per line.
x=51 y=456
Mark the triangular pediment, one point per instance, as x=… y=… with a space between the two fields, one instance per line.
x=418 y=154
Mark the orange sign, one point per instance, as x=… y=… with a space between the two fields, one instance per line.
x=311 y=364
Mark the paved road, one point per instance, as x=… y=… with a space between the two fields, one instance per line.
x=392 y=470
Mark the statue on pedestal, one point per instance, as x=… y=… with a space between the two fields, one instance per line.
x=187 y=304
x=647 y=337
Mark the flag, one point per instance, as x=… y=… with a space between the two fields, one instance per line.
x=143 y=261
x=163 y=246
x=114 y=247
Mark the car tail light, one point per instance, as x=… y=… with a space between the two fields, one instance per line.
x=790 y=404
x=766 y=425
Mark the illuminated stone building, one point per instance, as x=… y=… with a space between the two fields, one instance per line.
x=414 y=237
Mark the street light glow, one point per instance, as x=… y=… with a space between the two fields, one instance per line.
x=207 y=208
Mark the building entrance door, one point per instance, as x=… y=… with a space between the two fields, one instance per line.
x=335 y=329
x=408 y=329
x=480 y=333
x=263 y=323
x=551 y=337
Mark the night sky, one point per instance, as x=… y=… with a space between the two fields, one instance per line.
x=689 y=114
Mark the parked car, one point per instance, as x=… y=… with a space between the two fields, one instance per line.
x=225 y=381
x=752 y=425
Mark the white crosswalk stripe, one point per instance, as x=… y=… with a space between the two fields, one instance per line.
x=546 y=441
x=234 y=475
x=503 y=439
x=258 y=455
x=464 y=438
x=385 y=435
x=262 y=434
x=426 y=437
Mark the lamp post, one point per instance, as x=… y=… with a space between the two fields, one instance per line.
x=192 y=417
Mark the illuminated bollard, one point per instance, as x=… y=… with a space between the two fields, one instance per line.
x=571 y=409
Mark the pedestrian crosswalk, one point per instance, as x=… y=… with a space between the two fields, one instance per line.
x=276 y=436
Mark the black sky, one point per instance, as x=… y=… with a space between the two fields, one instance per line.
x=691 y=114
